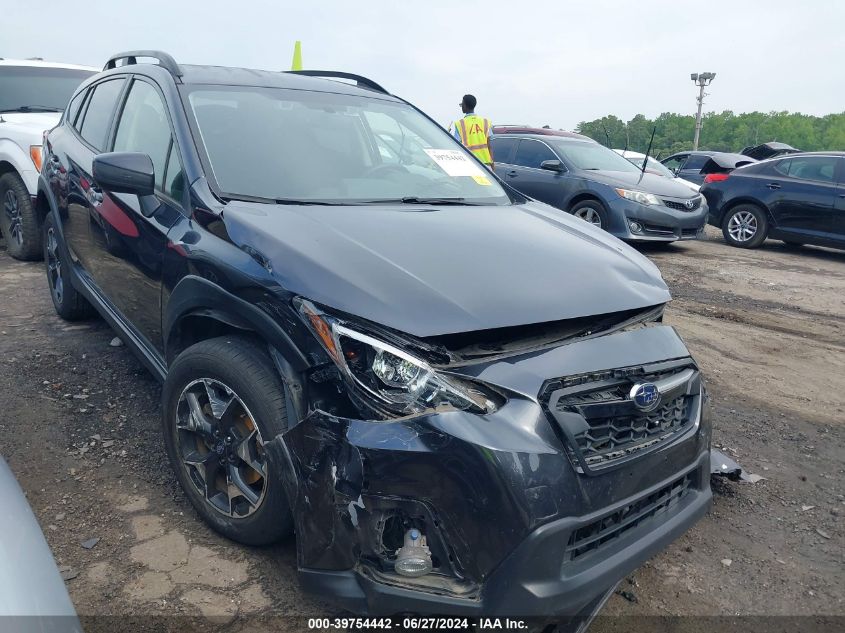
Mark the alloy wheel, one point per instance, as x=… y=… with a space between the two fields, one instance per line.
x=221 y=448
x=54 y=266
x=590 y=215
x=13 y=211
x=742 y=226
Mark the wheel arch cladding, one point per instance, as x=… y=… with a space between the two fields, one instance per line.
x=583 y=197
x=198 y=309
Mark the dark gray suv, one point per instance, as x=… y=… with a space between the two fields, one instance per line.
x=578 y=175
x=459 y=400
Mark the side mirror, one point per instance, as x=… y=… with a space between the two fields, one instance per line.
x=552 y=165
x=125 y=172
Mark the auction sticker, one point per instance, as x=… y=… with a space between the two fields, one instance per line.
x=454 y=162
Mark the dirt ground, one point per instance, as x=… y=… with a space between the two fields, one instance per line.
x=79 y=426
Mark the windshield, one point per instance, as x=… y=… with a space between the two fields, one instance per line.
x=38 y=89
x=301 y=145
x=590 y=155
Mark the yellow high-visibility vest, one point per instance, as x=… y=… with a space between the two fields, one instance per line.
x=474 y=130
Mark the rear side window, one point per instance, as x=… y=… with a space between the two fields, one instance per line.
x=696 y=161
x=98 y=113
x=503 y=149
x=817 y=168
x=532 y=153
x=144 y=127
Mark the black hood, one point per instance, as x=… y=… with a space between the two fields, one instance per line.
x=650 y=183
x=441 y=270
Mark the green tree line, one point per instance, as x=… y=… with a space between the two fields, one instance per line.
x=720 y=131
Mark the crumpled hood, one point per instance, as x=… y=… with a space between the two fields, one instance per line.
x=430 y=270
x=34 y=123
x=650 y=183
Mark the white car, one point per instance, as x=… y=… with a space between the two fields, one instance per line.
x=654 y=166
x=33 y=94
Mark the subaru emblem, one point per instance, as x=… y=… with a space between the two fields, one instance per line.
x=645 y=396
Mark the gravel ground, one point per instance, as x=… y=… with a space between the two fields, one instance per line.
x=80 y=428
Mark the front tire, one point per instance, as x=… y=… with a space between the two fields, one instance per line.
x=591 y=211
x=745 y=226
x=18 y=221
x=222 y=402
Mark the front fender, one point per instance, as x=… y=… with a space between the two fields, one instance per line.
x=196 y=296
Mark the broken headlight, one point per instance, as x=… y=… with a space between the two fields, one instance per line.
x=395 y=380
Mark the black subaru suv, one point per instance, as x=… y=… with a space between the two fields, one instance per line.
x=460 y=400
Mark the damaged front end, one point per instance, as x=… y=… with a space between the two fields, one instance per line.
x=469 y=476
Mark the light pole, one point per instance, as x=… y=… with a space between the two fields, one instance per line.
x=700 y=80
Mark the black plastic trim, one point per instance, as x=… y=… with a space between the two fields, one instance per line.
x=361 y=82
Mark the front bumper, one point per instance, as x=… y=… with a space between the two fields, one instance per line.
x=660 y=223
x=497 y=496
x=531 y=582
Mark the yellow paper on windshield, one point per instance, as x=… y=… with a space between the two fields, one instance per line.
x=454 y=162
x=481 y=180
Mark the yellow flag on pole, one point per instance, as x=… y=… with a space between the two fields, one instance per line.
x=297 y=56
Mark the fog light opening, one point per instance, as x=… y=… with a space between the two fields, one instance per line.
x=413 y=559
x=636 y=227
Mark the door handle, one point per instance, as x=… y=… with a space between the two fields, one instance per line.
x=773 y=185
x=512 y=173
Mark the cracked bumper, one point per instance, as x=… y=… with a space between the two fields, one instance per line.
x=496 y=495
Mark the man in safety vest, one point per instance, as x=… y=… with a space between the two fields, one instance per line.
x=474 y=131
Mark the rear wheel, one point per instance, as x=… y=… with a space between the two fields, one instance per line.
x=18 y=222
x=745 y=226
x=591 y=211
x=68 y=302
x=223 y=402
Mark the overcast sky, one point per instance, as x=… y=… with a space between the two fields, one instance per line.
x=553 y=63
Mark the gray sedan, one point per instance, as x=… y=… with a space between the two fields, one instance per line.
x=596 y=184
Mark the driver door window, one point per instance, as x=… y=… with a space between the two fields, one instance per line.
x=531 y=153
x=674 y=163
x=144 y=128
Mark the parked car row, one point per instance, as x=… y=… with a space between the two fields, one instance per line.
x=577 y=175
x=695 y=166
x=367 y=339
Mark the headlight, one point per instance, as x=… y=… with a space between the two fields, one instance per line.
x=396 y=380
x=639 y=196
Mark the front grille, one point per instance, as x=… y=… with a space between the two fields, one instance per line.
x=600 y=422
x=680 y=206
x=612 y=437
x=610 y=527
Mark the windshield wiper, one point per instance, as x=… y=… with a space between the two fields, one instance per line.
x=419 y=200
x=305 y=202
x=33 y=108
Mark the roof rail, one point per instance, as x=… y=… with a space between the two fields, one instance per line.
x=361 y=82
x=164 y=60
